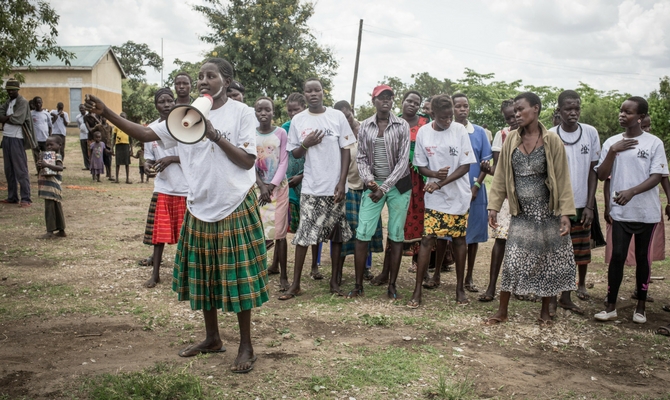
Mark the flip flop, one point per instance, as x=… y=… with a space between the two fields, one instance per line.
x=338 y=292
x=413 y=304
x=289 y=296
x=494 y=321
x=413 y=268
x=316 y=276
x=183 y=353
x=583 y=296
x=359 y=293
x=273 y=271
x=573 y=308
x=666 y=308
x=373 y=282
x=663 y=330
x=486 y=298
x=393 y=296
x=431 y=284
x=471 y=288
x=463 y=303
x=244 y=371
x=367 y=275
x=544 y=322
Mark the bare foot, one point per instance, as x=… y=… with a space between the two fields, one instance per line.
x=152 y=282
x=204 y=347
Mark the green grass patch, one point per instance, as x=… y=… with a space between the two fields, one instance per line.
x=451 y=388
x=377 y=320
x=161 y=382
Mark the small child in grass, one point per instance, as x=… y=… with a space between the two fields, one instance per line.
x=50 y=190
x=98 y=150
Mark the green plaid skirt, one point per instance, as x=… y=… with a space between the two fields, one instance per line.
x=223 y=264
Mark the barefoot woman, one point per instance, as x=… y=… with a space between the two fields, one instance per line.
x=533 y=175
x=221 y=257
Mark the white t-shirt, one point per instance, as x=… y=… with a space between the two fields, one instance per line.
x=580 y=156
x=171 y=180
x=498 y=139
x=59 y=124
x=216 y=186
x=322 y=162
x=41 y=125
x=632 y=167
x=439 y=149
x=83 y=130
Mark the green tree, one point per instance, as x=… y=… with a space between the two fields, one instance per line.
x=601 y=109
x=485 y=97
x=138 y=96
x=659 y=110
x=190 y=68
x=28 y=27
x=549 y=97
x=428 y=85
x=270 y=45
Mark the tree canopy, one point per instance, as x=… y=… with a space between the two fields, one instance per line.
x=27 y=28
x=138 y=95
x=270 y=45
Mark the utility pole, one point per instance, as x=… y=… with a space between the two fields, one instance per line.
x=358 y=56
x=162 y=63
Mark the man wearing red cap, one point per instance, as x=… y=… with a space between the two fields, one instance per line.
x=13 y=115
x=383 y=164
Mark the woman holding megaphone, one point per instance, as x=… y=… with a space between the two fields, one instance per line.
x=221 y=256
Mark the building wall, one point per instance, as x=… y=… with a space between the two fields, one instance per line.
x=53 y=85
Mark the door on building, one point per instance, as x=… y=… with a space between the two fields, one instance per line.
x=75 y=101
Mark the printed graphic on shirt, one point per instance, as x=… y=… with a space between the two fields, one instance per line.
x=267 y=148
x=326 y=132
x=585 y=149
x=453 y=151
x=643 y=153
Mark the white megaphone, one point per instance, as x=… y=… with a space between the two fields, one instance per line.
x=186 y=123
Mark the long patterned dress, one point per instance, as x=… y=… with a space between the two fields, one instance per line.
x=537 y=259
x=414 y=221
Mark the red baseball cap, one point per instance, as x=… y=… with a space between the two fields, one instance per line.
x=381 y=88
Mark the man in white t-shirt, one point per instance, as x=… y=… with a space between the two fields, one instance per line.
x=41 y=123
x=582 y=146
x=321 y=135
x=83 y=136
x=60 y=119
x=443 y=153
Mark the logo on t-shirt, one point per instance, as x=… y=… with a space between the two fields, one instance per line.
x=453 y=151
x=641 y=153
x=585 y=149
x=430 y=150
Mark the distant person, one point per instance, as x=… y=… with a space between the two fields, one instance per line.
x=13 y=114
x=426 y=107
x=182 y=86
x=83 y=136
x=236 y=91
x=41 y=123
x=98 y=150
x=60 y=119
x=122 y=150
x=106 y=134
x=50 y=190
x=488 y=132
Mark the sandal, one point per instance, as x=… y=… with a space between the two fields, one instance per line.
x=289 y=296
x=393 y=296
x=572 y=308
x=494 y=321
x=485 y=298
x=367 y=275
x=663 y=330
x=356 y=293
x=583 y=296
x=413 y=268
x=431 y=284
x=146 y=262
x=544 y=323
x=666 y=308
x=470 y=287
x=273 y=271
x=194 y=351
x=317 y=276
x=252 y=361
x=413 y=304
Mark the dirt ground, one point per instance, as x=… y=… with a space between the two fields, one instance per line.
x=74 y=308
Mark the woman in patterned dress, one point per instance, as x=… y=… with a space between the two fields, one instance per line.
x=533 y=175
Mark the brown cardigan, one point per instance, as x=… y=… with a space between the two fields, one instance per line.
x=561 y=199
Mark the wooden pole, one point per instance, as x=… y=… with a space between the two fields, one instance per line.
x=358 y=56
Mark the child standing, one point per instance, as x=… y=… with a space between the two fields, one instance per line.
x=443 y=153
x=121 y=141
x=50 y=190
x=271 y=165
x=98 y=150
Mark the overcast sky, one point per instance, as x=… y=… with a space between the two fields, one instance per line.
x=609 y=44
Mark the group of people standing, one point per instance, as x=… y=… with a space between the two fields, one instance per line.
x=324 y=176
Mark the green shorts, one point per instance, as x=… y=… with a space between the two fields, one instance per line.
x=370 y=212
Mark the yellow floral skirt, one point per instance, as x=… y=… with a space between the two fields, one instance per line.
x=442 y=224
